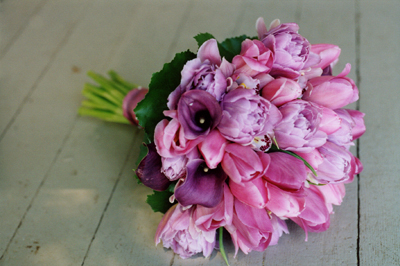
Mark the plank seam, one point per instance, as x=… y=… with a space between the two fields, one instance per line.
x=358 y=82
x=21 y=29
x=20 y=107
x=41 y=75
x=110 y=197
x=39 y=188
x=184 y=19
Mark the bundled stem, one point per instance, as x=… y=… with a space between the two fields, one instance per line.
x=104 y=101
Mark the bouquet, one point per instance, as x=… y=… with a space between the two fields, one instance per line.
x=242 y=136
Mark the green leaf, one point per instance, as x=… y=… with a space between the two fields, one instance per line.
x=150 y=110
x=231 y=47
x=159 y=201
x=203 y=37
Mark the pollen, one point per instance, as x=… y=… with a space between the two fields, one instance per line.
x=206 y=169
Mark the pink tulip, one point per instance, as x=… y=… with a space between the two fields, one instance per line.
x=242 y=164
x=175 y=167
x=213 y=148
x=170 y=139
x=208 y=219
x=330 y=121
x=289 y=178
x=333 y=194
x=251 y=228
x=254 y=58
x=279 y=226
x=284 y=203
x=281 y=91
x=207 y=72
x=332 y=92
x=178 y=231
x=315 y=217
x=253 y=193
x=329 y=54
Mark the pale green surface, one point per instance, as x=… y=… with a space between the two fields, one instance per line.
x=67 y=193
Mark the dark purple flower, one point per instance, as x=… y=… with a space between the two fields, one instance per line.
x=203 y=186
x=246 y=115
x=198 y=113
x=149 y=170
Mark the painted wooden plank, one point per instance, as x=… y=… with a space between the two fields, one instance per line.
x=23 y=159
x=58 y=153
x=379 y=182
x=32 y=53
x=14 y=17
x=325 y=22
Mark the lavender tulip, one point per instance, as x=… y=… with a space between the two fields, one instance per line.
x=178 y=231
x=299 y=128
x=202 y=185
x=246 y=115
x=351 y=127
x=338 y=166
x=198 y=113
x=175 y=167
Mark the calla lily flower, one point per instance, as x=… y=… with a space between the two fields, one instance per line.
x=198 y=113
x=149 y=170
x=203 y=186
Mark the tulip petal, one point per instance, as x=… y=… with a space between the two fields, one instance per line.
x=286 y=171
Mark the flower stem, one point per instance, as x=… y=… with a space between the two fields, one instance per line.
x=221 y=245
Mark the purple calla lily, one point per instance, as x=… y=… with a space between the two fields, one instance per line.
x=203 y=186
x=149 y=170
x=198 y=113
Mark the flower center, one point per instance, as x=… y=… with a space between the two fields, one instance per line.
x=203 y=119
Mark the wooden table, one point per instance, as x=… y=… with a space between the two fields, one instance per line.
x=67 y=192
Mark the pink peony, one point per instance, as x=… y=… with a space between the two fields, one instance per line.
x=206 y=72
x=178 y=231
x=246 y=115
x=292 y=51
x=299 y=127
